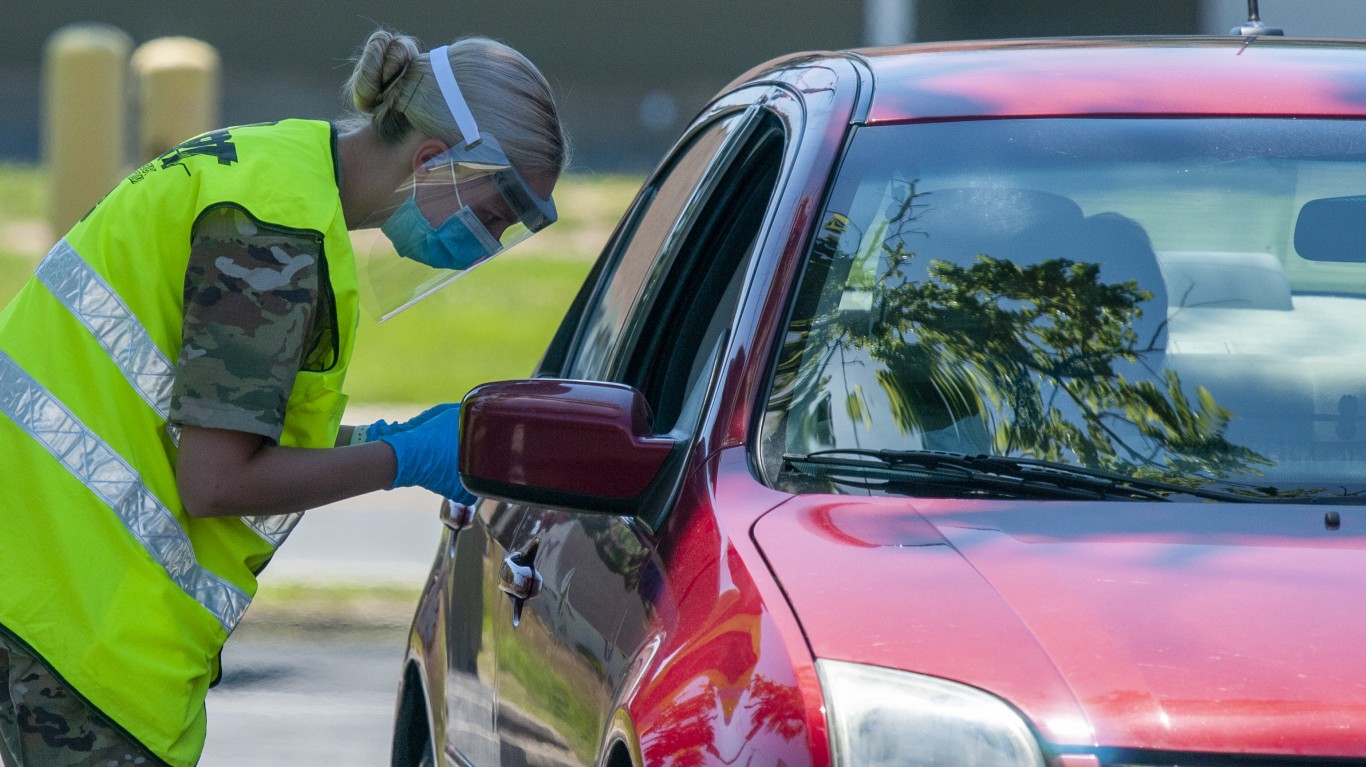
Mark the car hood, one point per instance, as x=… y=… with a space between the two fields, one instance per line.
x=1188 y=627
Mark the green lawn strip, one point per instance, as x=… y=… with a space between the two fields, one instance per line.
x=23 y=192
x=492 y=324
x=14 y=270
x=320 y=608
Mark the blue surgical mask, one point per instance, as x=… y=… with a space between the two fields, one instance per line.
x=459 y=243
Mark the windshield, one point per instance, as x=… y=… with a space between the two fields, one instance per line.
x=1180 y=300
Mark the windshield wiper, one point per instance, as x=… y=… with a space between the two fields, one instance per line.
x=994 y=474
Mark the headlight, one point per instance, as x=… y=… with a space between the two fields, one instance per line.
x=883 y=717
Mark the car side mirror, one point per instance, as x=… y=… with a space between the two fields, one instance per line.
x=578 y=445
x=1332 y=229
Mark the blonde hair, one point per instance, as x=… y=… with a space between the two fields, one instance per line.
x=393 y=89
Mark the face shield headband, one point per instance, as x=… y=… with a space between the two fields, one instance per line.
x=460 y=209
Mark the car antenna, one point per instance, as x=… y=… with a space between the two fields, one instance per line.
x=1254 y=25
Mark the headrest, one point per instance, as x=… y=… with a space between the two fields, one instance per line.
x=1024 y=225
x=1216 y=280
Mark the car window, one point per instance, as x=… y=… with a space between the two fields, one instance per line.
x=661 y=211
x=1174 y=300
x=694 y=292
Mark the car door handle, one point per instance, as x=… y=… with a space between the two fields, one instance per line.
x=456 y=516
x=519 y=580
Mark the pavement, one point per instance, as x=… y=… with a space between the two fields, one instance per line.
x=386 y=538
x=311 y=675
x=305 y=699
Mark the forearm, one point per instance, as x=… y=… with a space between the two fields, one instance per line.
x=224 y=473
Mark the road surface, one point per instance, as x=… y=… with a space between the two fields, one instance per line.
x=324 y=694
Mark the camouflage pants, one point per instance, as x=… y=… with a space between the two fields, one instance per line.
x=43 y=725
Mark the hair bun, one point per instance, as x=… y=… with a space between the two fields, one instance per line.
x=380 y=70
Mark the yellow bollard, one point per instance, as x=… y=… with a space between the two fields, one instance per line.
x=177 y=83
x=84 y=117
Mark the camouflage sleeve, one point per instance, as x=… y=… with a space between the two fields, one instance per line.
x=250 y=294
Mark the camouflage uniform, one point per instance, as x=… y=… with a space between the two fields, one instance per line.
x=43 y=724
x=254 y=316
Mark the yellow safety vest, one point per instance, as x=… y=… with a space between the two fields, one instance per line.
x=102 y=573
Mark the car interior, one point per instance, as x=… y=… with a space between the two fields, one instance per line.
x=1262 y=329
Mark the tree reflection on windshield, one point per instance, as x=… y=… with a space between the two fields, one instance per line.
x=1036 y=356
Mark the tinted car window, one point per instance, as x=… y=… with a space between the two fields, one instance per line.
x=665 y=204
x=699 y=287
x=1118 y=294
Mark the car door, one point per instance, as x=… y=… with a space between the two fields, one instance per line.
x=460 y=618
x=656 y=319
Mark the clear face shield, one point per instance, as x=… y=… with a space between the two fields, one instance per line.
x=460 y=209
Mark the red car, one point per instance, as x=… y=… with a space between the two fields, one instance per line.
x=993 y=403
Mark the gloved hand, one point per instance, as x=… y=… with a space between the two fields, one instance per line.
x=427 y=455
x=382 y=428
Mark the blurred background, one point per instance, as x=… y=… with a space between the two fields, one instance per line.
x=629 y=74
x=311 y=674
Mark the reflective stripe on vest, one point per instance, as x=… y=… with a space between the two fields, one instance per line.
x=87 y=296
x=109 y=477
x=81 y=290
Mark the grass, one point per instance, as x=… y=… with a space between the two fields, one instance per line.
x=23 y=191
x=493 y=324
x=23 y=236
x=322 y=610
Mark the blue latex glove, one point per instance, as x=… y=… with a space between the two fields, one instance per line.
x=427 y=455
x=382 y=428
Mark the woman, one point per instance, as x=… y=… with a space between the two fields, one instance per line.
x=170 y=381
